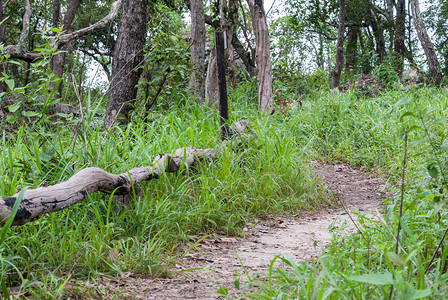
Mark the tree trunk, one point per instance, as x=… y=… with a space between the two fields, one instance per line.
x=35 y=203
x=351 y=55
x=263 y=55
x=427 y=45
x=3 y=86
x=128 y=55
x=378 y=34
x=399 y=45
x=339 y=46
x=59 y=59
x=211 y=84
x=390 y=12
x=197 y=80
x=229 y=20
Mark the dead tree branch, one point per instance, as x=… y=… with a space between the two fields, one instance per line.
x=40 y=201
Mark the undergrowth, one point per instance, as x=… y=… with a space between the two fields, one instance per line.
x=371 y=264
x=271 y=175
x=98 y=237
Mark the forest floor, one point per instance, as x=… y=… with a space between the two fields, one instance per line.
x=217 y=261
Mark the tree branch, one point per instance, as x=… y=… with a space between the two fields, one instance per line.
x=40 y=201
x=20 y=46
x=18 y=51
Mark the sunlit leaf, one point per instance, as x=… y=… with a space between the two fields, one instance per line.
x=223 y=291
x=14 y=107
x=407 y=114
x=394 y=258
x=374 y=278
x=11 y=83
x=403 y=101
x=440 y=121
x=30 y=113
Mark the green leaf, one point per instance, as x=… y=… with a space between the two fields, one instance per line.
x=374 y=278
x=14 y=62
x=11 y=119
x=11 y=83
x=236 y=283
x=29 y=113
x=46 y=157
x=13 y=108
x=10 y=219
x=403 y=101
x=394 y=258
x=223 y=291
x=440 y=121
x=406 y=114
x=414 y=294
x=433 y=171
x=4 y=289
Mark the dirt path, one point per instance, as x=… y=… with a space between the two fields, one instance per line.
x=213 y=263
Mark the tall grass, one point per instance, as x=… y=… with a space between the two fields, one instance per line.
x=269 y=175
x=369 y=133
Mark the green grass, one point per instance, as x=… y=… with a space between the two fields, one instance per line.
x=270 y=175
x=369 y=133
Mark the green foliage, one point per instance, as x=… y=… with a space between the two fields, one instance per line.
x=386 y=73
x=34 y=100
x=369 y=133
x=98 y=236
x=167 y=62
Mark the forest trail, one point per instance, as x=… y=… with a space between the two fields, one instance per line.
x=213 y=262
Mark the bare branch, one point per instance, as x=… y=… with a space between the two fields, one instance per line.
x=18 y=51
x=40 y=201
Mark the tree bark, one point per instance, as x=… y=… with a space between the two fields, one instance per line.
x=351 y=55
x=263 y=55
x=245 y=56
x=40 y=201
x=399 y=45
x=127 y=57
x=427 y=45
x=197 y=80
x=228 y=22
x=3 y=86
x=59 y=59
x=378 y=34
x=339 y=46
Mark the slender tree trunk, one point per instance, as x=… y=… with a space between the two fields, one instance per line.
x=56 y=13
x=427 y=45
x=229 y=21
x=211 y=84
x=400 y=33
x=339 y=46
x=197 y=80
x=127 y=57
x=351 y=49
x=3 y=86
x=390 y=11
x=379 y=36
x=320 y=53
x=263 y=55
x=59 y=59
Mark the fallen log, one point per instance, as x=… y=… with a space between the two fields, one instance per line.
x=43 y=200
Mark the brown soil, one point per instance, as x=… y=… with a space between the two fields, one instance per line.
x=213 y=263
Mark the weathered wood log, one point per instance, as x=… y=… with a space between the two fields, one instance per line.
x=40 y=201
